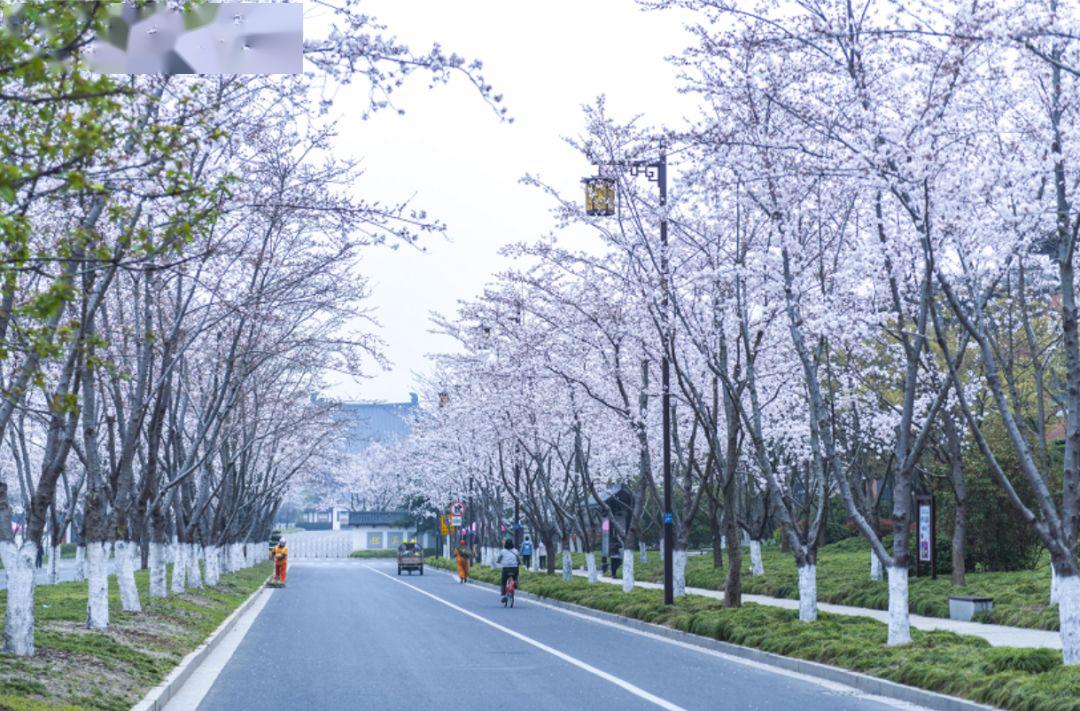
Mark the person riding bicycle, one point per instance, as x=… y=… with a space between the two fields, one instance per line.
x=508 y=559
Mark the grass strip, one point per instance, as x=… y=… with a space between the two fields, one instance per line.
x=77 y=668
x=1021 y=598
x=387 y=553
x=945 y=662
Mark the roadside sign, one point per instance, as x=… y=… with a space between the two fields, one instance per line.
x=457 y=509
x=455 y=520
x=927 y=532
x=668 y=518
x=442 y=526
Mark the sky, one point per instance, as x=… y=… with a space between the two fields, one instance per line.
x=453 y=157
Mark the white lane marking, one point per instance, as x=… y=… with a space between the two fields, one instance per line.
x=635 y=690
x=834 y=686
x=192 y=691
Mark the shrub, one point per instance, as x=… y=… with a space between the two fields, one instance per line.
x=1029 y=661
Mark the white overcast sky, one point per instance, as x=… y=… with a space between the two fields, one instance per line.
x=548 y=59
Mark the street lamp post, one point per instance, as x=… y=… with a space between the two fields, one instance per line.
x=600 y=198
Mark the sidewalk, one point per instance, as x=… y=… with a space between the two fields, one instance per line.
x=996 y=635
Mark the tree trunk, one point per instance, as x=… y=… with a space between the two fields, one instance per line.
x=956 y=471
x=125 y=576
x=590 y=565
x=567 y=567
x=159 y=570
x=80 y=562
x=958 y=539
x=97 y=596
x=733 y=584
x=875 y=566
x=643 y=549
x=717 y=536
x=211 y=561
x=179 y=568
x=899 y=617
x=678 y=571
x=757 y=566
x=1069 y=617
x=54 y=564
x=194 y=574
x=19 y=563
x=808 y=611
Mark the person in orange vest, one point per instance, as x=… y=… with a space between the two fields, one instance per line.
x=463 y=554
x=281 y=561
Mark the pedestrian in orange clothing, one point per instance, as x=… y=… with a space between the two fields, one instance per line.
x=462 y=553
x=281 y=561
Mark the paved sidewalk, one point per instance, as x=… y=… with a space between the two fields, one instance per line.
x=996 y=635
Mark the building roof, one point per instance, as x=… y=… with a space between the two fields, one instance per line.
x=369 y=422
x=379 y=518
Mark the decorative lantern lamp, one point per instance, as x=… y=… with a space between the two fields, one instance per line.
x=599 y=196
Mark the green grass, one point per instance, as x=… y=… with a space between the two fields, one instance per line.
x=113 y=669
x=1020 y=679
x=1021 y=599
x=387 y=553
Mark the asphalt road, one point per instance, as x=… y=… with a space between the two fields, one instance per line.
x=353 y=635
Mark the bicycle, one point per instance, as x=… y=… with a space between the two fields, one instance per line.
x=508 y=593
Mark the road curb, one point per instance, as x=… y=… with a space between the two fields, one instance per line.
x=156 y=699
x=862 y=682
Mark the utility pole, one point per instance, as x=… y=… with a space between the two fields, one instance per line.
x=600 y=199
x=665 y=376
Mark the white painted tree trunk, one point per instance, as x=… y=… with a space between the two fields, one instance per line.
x=194 y=574
x=643 y=552
x=875 y=566
x=590 y=565
x=1053 y=585
x=534 y=562
x=212 y=559
x=1069 y=618
x=628 y=572
x=899 y=615
x=661 y=550
x=678 y=572
x=97 y=595
x=757 y=567
x=159 y=570
x=179 y=568
x=807 y=593
x=19 y=565
x=124 y=553
x=54 y=565
x=567 y=568
x=80 y=563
